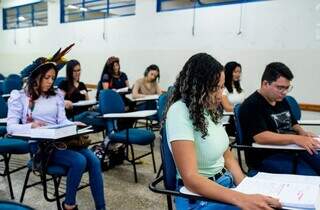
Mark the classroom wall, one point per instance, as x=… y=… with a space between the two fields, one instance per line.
x=278 y=30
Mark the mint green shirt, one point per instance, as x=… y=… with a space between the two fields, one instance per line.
x=209 y=150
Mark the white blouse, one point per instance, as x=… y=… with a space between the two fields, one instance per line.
x=235 y=97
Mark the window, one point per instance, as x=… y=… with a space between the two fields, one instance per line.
x=167 y=5
x=28 y=15
x=78 y=10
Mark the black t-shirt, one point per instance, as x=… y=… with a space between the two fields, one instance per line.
x=256 y=116
x=77 y=94
x=114 y=83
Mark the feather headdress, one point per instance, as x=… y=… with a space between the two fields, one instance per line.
x=57 y=61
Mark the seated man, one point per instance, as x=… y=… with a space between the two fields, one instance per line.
x=266 y=118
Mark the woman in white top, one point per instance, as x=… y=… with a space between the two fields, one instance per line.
x=233 y=93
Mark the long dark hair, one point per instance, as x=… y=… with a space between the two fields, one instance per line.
x=194 y=86
x=69 y=75
x=34 y=81
x=229 y=69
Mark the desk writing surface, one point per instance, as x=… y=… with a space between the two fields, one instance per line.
x=146 y=98
x=137 y=114
x=3 y=120
x=309 y=122
x=86 y=103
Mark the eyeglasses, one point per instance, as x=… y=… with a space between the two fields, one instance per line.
x=283 y=89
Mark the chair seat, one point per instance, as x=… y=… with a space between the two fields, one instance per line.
x=52 y=169
x=9 y=205
x=3 y=130
x=13 y=146
x=136 y=136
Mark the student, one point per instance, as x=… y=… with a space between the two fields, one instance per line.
x=73 y=89
x=233 y=93
x=199 y=143
x=111 y=76
x=148 y=85
x=38 y=105
x=265 y=118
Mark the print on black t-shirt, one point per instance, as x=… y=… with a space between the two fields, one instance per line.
x=282 y=121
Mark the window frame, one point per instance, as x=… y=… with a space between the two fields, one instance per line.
x=83 y=4
x=200 y=4
x=32 y=13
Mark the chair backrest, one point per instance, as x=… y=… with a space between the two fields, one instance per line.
x=169 y=167
x=110 y=102
x=12 y=83
x=1 y=87
x=14 y=77
x=239 y=135
x=2 y=77
x=294 y=107
x=58 y=81
x=3 y=108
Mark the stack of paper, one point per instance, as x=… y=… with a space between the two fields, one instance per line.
x=293 y=191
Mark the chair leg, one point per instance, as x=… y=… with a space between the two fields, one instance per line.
x=56 y=192
x=25 y=185
x=169 y=202
x=7 y=173
x=159 y=171
x=133 y=161
x=153 y=160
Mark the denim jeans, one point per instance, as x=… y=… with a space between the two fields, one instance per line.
x=184 y=204
x=283 y=163
x=77 y=162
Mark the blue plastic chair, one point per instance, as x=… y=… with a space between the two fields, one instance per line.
x=2 y=77
x=52 y=172
x=111 y=102
x=12 y=82
x=286 y=162
x=294 y=107
x=169 y=169
x=9 y=205
x=3 y=114
x=9 y=146
x=58 y=81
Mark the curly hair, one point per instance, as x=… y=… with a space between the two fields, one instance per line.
x=194 y=85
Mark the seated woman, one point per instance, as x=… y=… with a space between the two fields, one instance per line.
x=148 y=85
x=199 y=143
x=73 y=89
x=38 y=105
x=233 y=93
x=111 y=76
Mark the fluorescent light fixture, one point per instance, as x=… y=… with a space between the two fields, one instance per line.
x=70 y=6
x=83 y=9
x=21 y=18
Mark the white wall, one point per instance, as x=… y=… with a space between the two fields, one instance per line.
x=279 y=30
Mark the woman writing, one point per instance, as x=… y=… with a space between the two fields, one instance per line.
x=38 y=105
x=199 y=143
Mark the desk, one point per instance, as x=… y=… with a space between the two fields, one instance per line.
x=5 y=95
x=146 y=98
x=137 y=114
x=228 y=114
x=3 y=121
x=85 y=103
x=309 y=122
